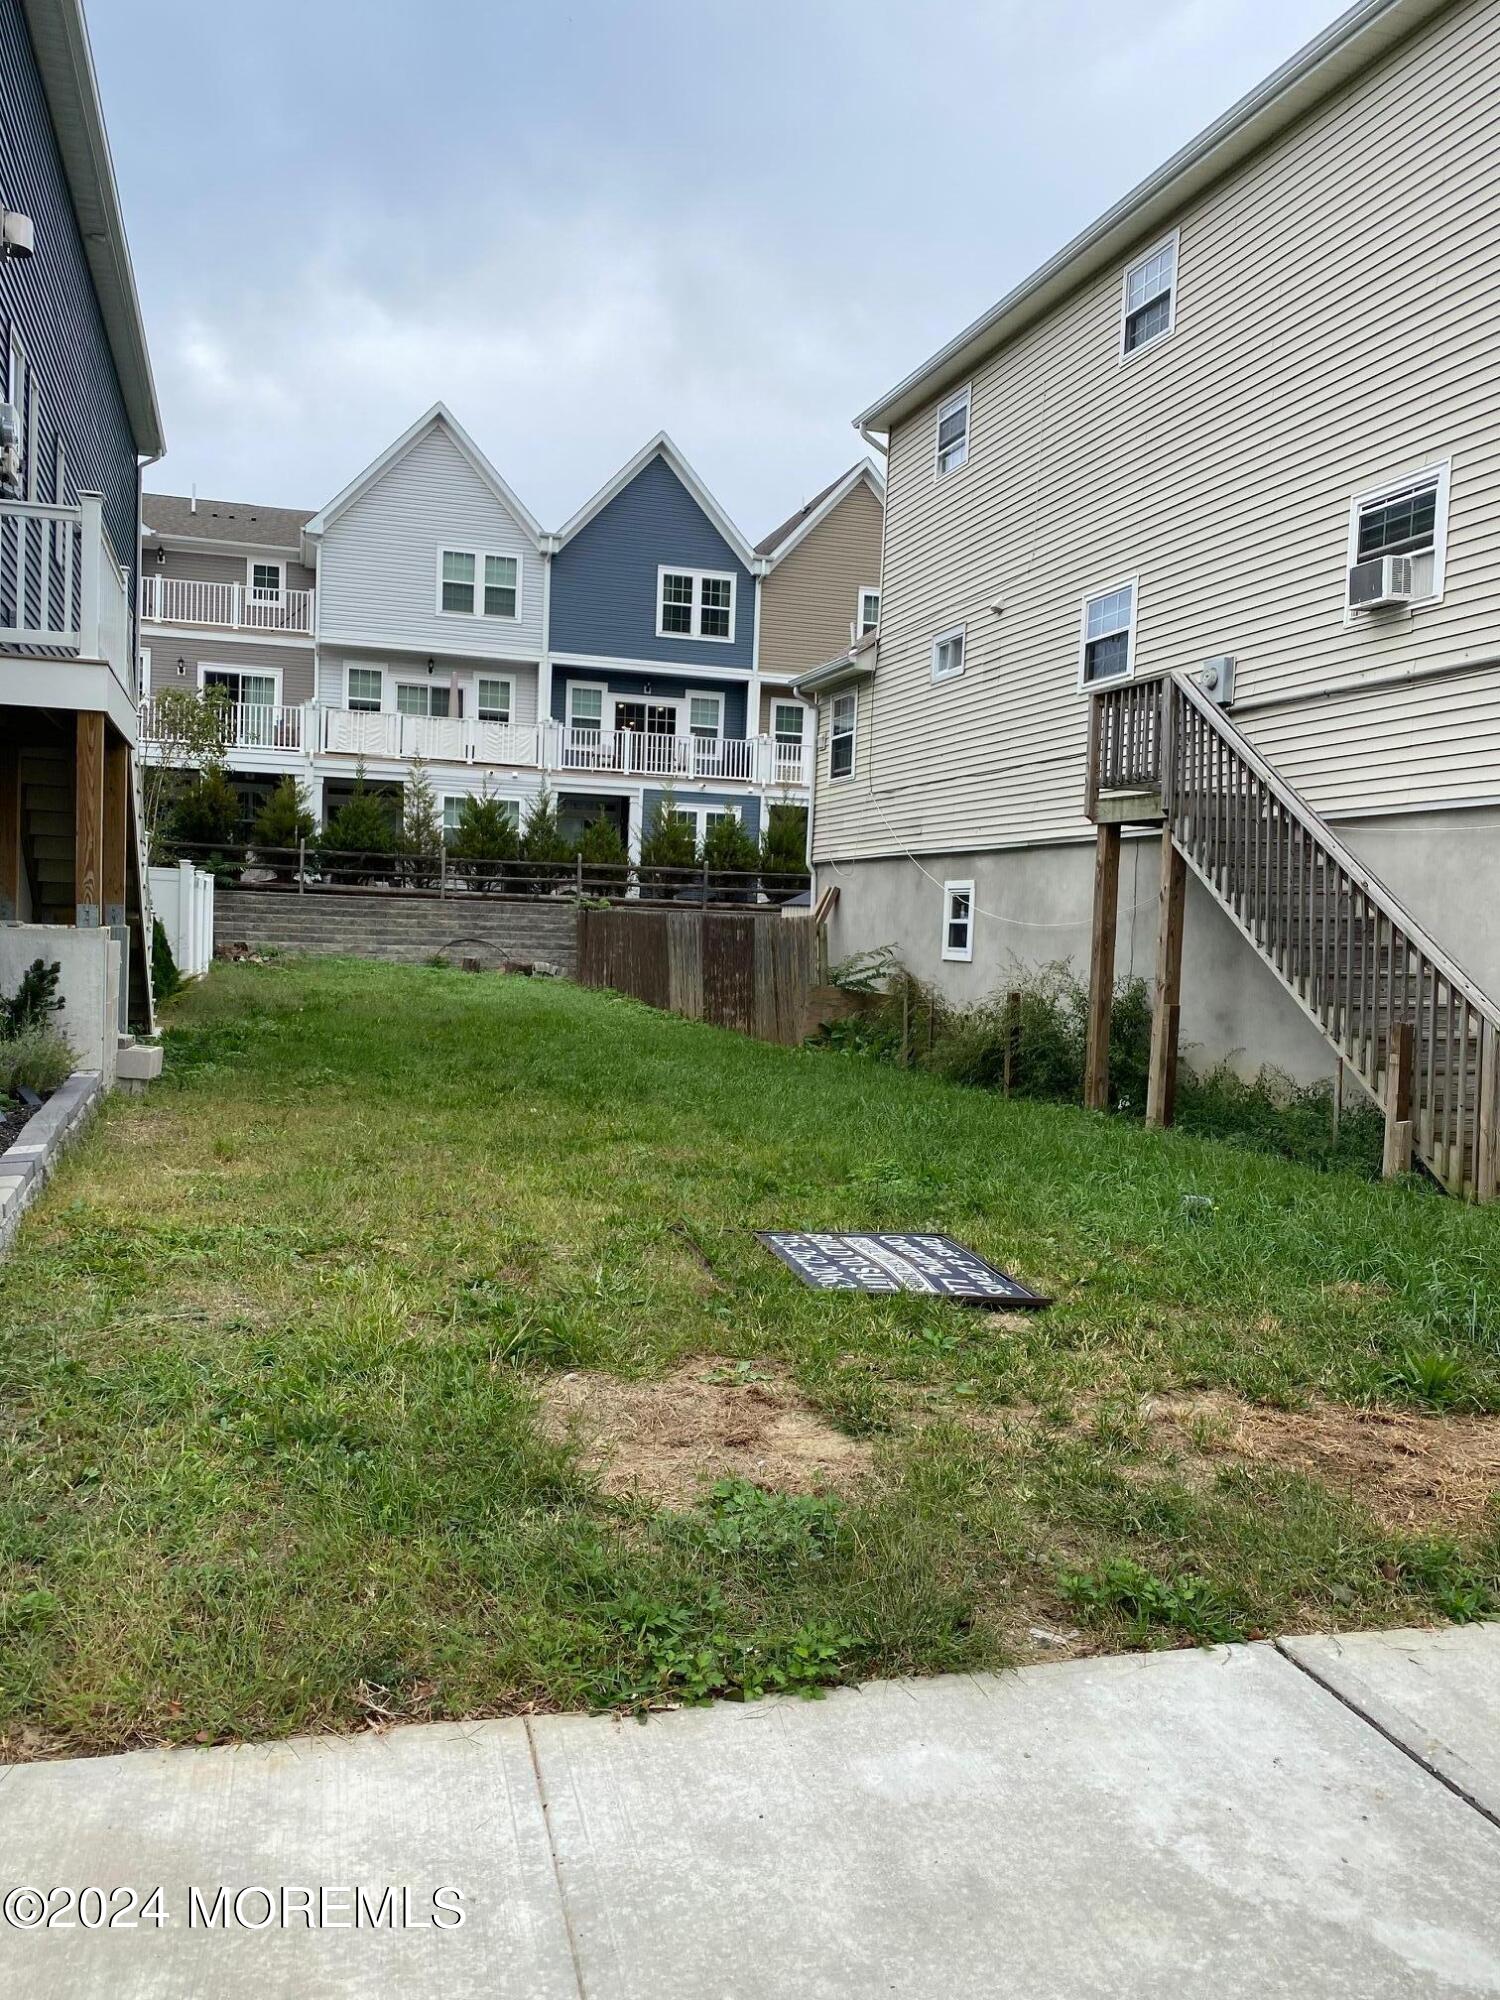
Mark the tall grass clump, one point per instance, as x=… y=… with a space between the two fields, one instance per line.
x=1030 y=1039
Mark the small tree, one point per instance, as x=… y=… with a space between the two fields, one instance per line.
x=783 y=856
x=731 y=857
x=208 y=813
x=544 y=843
x=669 y=842
x=602 y=848
x=190 y=731
x=485 y=837
x=359 y=834
x=421 y=826
x=283 y=822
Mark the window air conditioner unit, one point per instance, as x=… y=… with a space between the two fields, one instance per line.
x=1380 y=582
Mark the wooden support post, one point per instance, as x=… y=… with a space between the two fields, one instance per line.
x=10 y=832
x=1398 y=1121
x=88 y=822
x=116 y=827
x=1161 y=1076
x=1487 y=1164
x=1102 y=967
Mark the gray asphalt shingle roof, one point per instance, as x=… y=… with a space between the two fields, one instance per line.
x=173 y=514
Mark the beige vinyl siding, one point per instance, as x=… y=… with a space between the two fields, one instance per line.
x=211 y=566
x=1336 y=324
x=810 y=600
x=294 y=663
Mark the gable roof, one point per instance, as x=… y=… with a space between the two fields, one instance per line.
x=60 y=40
x=781 y=541
x=176 y=517
x=438 y=415
x=661 y=446
x=1351 y=44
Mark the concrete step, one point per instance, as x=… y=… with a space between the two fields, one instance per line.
x=137 y=1062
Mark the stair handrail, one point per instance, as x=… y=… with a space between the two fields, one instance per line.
x=1385 y=898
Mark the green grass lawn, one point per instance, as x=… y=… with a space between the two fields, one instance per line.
x=274 y=1350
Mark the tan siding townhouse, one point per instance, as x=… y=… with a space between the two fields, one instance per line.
x=1251 y=414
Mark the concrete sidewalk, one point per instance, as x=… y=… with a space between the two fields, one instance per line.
x=1317 y=1820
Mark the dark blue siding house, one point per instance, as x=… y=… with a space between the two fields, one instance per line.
x=78 y=413
x=652 y=649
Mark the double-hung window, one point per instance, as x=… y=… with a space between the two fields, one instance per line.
x=493 y=700
x=472 y=584
x=363 y=689
x=1107 y=639
x=953 y=432
x=265 y=582
x=694 y=604
x=1148 y=304
x=586 y=709
x=842 y=725
x=1405 y=517
x=948 y=654
x=705 y=716
x=869 y=613
x=958 y=920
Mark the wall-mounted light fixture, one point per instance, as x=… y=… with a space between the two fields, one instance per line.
x=181 y=665
x=17 y=236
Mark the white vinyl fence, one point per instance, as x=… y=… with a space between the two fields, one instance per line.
x=183 y=897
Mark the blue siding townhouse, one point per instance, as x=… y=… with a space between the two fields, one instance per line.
x=79 y=413
x=652 y=648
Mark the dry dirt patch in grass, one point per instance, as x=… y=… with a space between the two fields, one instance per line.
x=665 y=1440
x=1411 y=1471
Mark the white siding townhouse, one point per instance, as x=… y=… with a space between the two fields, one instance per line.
x=425 y=613
x=1195 y=531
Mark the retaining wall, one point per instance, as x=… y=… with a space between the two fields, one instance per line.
x=401 y=929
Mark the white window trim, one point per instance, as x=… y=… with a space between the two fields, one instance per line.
x=606 y=706
x=1171 y=241
x=664 y=570
x=860 y=627
x=479 y=612
x=455 y=696
x=207 y=667
x=964 y=953
x=1132 y=584
x=252 y=564
x=363 y=667
x=446 y=799
x=508 y=681
x=843 y=777
x=685 y=712
x=959 y=632
x=964 y=395
x=1369 y=496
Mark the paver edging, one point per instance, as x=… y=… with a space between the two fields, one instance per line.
x=27 y=1166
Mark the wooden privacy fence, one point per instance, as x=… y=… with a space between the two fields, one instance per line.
x=755 y=973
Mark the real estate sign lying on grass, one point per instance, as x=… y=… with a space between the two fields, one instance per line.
x=887 y=1263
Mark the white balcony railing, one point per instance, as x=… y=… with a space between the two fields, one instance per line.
x=249 y=725
x=383 y=735
x=178 y=600
x=62 y=588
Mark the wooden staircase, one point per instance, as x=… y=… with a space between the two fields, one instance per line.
x=46 y=779
x=1407 y=1021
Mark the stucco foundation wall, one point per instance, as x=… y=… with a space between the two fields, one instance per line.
x=88 y=980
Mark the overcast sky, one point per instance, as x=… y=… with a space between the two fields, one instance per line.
x=583 y=221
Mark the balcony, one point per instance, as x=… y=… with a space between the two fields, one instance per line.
x=229 y=607
x=63 y=591
x=382 y=735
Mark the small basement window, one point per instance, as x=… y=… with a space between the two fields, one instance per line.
x=841 y=736
x=1149 y=303
x=953 y=432
x=948 y=654
x=1107 y=646
x=958 y=920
